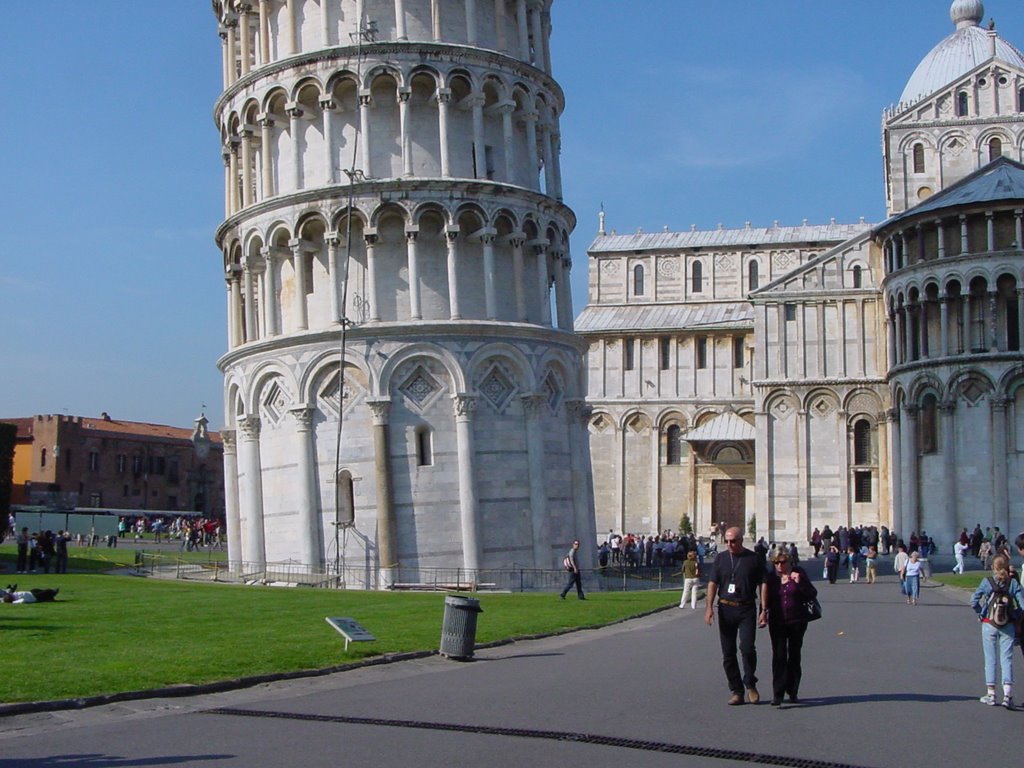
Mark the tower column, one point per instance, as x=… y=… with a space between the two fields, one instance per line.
x=246 y=136
x=305 y=487
x=540 y=248
x=531 y=147
x=400 y=32
x=232 y=49
x=233 y=202
x=406 y=138
x=435 y=20
x=909 y=470
x=246 y=35
x=584 y=526
x=266 y=163
x=269 y=294
x=452 y=241
x=298 y=249
x=563 y=296
x=533 y=407
x=944 y=325
x=895 y=456
x=1000 y=495
x=364 y=130
x=537 y=32
x=387 y=536
x=518 y=274
x=294 y=115
x=371 y=276
x=326 y=107
x=415 y=311
x=254 y=552
x=337 y=280
x=290 y=31
x=490 y=275
x=471 y=36
x=479 y=156
x=549 y=163
x=464 y=407
x=235 y=306
x=232 y=518
x=947 y=527
x=506 y=108
x=249 y=266
x=444 y=96
x=524 y=30
x=264 y=32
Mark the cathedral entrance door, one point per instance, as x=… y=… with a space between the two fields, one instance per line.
x=729 y=503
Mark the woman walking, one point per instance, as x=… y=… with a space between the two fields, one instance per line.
x=912 y=577
x=789 y=589
x=832 y=563
x=997 y=601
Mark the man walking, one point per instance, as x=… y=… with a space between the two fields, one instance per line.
x=572 y=565
x=738 y=582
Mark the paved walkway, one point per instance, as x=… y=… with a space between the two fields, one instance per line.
x=885 y=684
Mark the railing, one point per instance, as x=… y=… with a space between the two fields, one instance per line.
x=405 y=578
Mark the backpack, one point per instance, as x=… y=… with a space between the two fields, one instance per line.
x=998 y=610
x=567 y=563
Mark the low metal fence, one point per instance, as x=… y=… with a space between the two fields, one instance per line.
x=407 y=578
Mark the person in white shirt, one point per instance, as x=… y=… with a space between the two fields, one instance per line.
x=958 y=553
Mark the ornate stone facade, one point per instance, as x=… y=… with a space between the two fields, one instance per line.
x=878 y=371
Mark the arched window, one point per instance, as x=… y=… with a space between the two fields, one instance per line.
x=638 y=280
x=961 y=104
x=752 y=275
x=919 y=158
x=862 y=442
x=673 y=445
x=858 y=277
x=995 y=148
x=424 y=447
x=928 y=424
x=697 y=277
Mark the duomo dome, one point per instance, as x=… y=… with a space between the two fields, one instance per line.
x=959 y=53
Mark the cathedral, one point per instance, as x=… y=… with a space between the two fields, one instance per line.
x=786 y=378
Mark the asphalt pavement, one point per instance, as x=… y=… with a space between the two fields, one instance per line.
x=884 y=684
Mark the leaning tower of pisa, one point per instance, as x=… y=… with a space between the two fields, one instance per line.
x=397 y=266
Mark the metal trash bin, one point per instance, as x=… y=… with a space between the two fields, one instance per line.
x=458 y=632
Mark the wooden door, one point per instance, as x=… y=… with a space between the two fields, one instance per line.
x=729 y=503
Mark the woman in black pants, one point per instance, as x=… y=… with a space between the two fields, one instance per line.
x=832 y=563
x=789 y=588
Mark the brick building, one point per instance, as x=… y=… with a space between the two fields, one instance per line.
x=66 y=462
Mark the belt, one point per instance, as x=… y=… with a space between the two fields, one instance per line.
x=735 y=603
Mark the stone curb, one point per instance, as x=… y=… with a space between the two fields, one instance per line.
x=220 y=686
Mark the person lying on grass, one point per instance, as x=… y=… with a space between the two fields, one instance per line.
x=12 y=595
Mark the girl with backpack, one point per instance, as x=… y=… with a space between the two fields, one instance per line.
x=997 y=601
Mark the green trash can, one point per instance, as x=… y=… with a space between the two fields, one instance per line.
x=458 y=632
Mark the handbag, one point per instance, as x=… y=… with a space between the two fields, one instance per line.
x=813 y=609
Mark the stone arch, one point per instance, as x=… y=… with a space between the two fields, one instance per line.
x=971 y=385
x=863 y=403
x=307 y=87
x=821 y=401
x=263 y=381
x=514 y=358
x=562 y=362
x=923 y=384
x=383 y=381
x=385 y=69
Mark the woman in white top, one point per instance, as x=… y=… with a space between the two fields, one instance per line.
x=898 y=564
x=912 y=575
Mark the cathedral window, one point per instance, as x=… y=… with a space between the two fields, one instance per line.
x=673 y=445
x=919 y=158
x=927 y=422
x=638 y=280
x=858 y=277
x=424 y=447
x=961 y=104
x=697 y=277
x=664 y=353
x=702 y=352
x=737 y=352
x=862 y=486
x=629 y=360
x=995 y=148
x=862 y=442
x=752 y=276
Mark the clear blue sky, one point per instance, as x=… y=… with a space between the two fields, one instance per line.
x=679 y=112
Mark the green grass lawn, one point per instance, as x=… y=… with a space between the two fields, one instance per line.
x=108 y=633
x=964 y=581
x=98 y=559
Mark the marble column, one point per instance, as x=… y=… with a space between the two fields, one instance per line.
x=909 y=471
x=249 y=268
x=295 y=114
x=471 y=36
x=338 y=280
x=264 y=32
x=524 y=30
x=490 y=275
x=1000 y=490
x=895 y=456
x=291 y=35
x=947 y=524
x=254 y=551
x=298 y=249
x=412 y=259
x=944 y=326
x=530 y=119
x=540 y=248
x=518 y=275
x=464 y=407
x=578 y=414
x=232 y=50
x=387 y=529
x=400 y=32
x=993 y=327
x=234 y=203
x=327 y=105
x=231 y=511
x=476 y=103
x=364 y=131
x=405 y=134
x=243 y=31
x=452 y=241
x=537 y=33
x=269 y=293
x=508 y=136
x=444 y=96
x=309 y=536
x=225 y=55
x=267 y=165
x=371 y=275
x=247 y=190
x=534 y=407
x=237 y=335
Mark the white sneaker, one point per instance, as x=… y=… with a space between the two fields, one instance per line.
x=1008 y=702
x=988 y=698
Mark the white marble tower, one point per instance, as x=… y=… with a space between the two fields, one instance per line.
x=391 y=166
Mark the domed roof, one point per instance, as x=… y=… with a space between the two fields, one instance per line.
x=962 y=51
